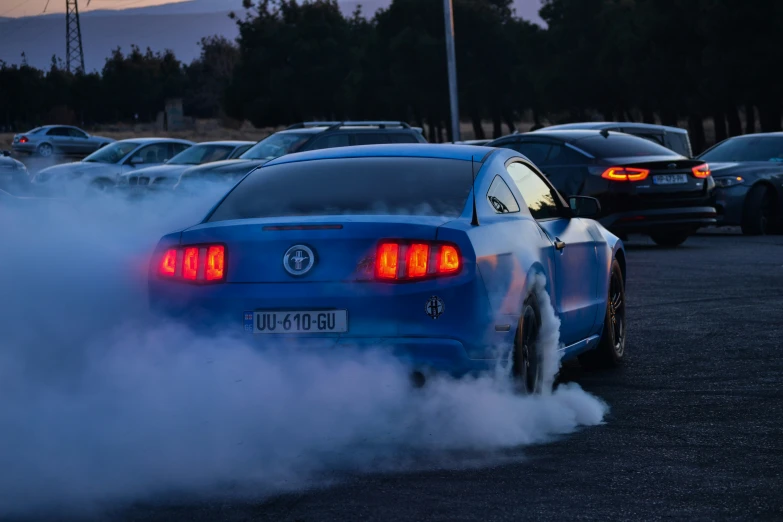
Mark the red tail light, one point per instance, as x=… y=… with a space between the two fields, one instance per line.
x=422 y=260
x=196 y=263
x=23 y=139
x=168 y=265
x=625 y=174
x=216 y=255
x=701 y=171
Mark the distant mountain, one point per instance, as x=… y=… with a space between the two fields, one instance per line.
x=178 y=27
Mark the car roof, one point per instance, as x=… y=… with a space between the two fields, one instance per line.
x=607 y=124
x=570 y=135
x=144 y=141
x=351 y=128
x=226 y=142
x=397 y=150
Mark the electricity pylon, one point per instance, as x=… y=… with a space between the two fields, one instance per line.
x=74 y=53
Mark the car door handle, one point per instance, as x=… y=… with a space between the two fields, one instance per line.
x=559 y=245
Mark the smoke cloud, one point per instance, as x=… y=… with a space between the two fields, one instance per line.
x=103 y=404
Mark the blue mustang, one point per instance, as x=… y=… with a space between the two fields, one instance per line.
x=430 y=251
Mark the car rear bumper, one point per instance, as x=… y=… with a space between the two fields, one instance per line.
x=651 y=220
x=23 y=147
x=427 y=355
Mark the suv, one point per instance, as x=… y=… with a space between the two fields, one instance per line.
x=299 y=138
x=672 y=138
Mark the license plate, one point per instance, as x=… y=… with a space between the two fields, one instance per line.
x=670 y=179
x=299 y=321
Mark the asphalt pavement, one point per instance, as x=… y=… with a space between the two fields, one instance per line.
x=695 y=429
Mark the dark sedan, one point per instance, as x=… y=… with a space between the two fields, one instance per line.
x=748 y=172
x=643 y=187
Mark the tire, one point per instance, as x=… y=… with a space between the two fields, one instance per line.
x=526 y=370
x=760 y=212
x=45 y=150
x=670 y=238
x=610 y=351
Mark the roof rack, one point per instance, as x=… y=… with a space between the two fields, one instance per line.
x=332 y=125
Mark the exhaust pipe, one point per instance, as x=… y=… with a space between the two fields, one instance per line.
x=418 y=379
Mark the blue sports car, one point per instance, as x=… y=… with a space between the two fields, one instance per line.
x=430 y=251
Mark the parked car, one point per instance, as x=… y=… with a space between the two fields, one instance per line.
x=58 y=139
x=298 y=138
x=473 y=142
x=673 y=138
x=643 y=187
x=748 y=172
x=102 y=168
x=428 y=262
x=14 y=177
x=167 y=175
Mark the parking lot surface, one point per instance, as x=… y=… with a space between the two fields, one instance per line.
x=695 y=429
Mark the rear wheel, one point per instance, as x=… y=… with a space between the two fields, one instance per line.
x=761 y=213
x=45 y=150
x=669 y=238
x=527 y=370
x=611 y=348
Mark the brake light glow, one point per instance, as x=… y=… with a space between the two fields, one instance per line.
x=194 y=263
x=448 y=260
x=421 y=260
x=625 y=174
x=23 y=139
x=168 y=265
x=190 y=263
x=418 y=258
x=386 y=260
x=701 y=171
x=215 y=262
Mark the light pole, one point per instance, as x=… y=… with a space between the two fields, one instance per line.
x=452 y=65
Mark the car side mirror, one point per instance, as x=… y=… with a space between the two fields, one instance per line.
x=584 y=206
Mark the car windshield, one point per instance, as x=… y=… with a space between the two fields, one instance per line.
x=276 y=145
x=112 y=153
x=756 y=148
x=198 y=154
x=409 y=186
x=620 y=146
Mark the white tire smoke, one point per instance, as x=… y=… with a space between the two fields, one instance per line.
x=101 y=404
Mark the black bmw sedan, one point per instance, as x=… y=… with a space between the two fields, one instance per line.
x=643 y=187
x=748 y=172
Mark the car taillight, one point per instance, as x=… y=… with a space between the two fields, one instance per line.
x=23 y=139
x=701 y=171
x=196 y=263
x=420 y=260
x=168 y=265
x=625 y=174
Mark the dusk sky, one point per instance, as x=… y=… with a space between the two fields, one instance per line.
x=17 y=8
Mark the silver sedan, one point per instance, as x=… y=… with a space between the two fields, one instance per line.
x=58 y=139
x=103 y=168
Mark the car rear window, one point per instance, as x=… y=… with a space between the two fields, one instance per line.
x=621 y=145
x=410 y=186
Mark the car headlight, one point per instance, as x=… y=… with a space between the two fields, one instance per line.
x=728 y=182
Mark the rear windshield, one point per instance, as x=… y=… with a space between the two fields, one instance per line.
x=411 y=186
x=621 y=145
x=752 y=148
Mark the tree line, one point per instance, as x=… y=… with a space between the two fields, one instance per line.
x=663 y=61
